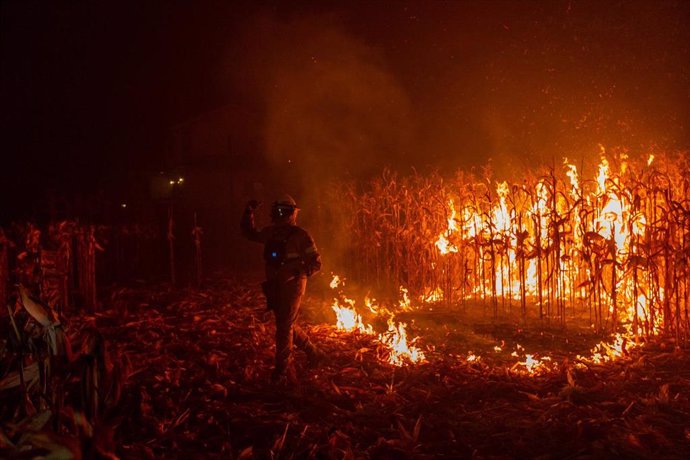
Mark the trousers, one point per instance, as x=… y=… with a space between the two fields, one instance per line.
x=287 y=331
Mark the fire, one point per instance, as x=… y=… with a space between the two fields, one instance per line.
x=348 y=320
x=531 y=364
x=604 y=240
x=535 y=366
x=502 y=218
x=432 y=296
x=371 y=305
x=395 y=339
x=571 y=172
x=605 y=352
x=404 y=303
x=602 y=176
x=445 y=246
x=472 y=358
x=398 y=351
x=335 y=282
x=442 y=243
x=511 y=250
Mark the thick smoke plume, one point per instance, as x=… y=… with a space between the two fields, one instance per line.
x=332 y=108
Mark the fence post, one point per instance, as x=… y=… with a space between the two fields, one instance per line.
x=4 y=270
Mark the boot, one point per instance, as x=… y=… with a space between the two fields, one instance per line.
x=287 y=377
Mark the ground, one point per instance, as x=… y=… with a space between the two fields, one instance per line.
x=198 y=386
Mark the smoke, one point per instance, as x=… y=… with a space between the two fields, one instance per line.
x=331 y=107
x=331 y=110
x=522 y=84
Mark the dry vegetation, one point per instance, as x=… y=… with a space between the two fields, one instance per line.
x=612 y=242
x=552 y=265
x=194 y=384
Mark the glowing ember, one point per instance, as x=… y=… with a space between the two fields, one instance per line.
x=335 y=282
x=472 y=358
x=534 y=366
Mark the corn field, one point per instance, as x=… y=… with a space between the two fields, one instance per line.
x=608 y=241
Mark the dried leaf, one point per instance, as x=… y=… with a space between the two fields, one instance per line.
x=35 y=309
x=247 y=452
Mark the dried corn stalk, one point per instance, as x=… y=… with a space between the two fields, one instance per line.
x=614 y=247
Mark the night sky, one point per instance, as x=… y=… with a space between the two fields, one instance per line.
x=90 y=89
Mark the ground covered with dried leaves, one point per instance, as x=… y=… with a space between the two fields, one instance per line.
x=199 y=387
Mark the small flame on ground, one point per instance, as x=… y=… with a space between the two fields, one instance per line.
x=347 y=319
x=395 y=339
x=399 y=351
x=472 y=358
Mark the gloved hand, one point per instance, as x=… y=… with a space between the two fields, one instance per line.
x=252 y=205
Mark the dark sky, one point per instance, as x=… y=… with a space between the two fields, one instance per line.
x=90 y=88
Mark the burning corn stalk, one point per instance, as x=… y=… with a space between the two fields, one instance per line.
x=609 y=240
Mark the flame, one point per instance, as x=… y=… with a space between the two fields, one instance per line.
x=404 y=303
x=445 y=246
x=575 y=237
x=432 y=296
x=575 y=191
x=335 y=282
x=442 y=243
x=604 y=209
x=472 y=358
x=395 y=339
x=535 y=366
x=371 y=305
x=348 y=320
x=604 y=352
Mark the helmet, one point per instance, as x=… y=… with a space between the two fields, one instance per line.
x=285 y=200
x=284 y=207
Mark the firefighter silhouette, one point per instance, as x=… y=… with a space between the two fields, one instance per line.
x=290 y=256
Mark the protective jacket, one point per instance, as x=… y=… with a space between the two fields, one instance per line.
x=289 y=251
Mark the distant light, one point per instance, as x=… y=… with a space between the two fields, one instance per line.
x=180 y=180
x=123 y=205
x=172 y=182
x=289 y=161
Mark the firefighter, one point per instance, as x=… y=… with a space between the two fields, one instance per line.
x=291 y=256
